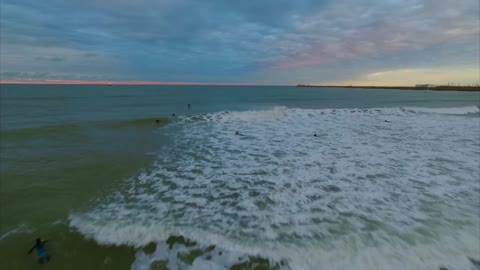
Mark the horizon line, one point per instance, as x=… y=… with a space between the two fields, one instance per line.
x=81 y=82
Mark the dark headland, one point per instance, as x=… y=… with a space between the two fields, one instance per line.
x=422 y=87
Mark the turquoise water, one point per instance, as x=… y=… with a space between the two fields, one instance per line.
x=392 y=177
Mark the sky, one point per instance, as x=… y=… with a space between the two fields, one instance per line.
x=360 y=42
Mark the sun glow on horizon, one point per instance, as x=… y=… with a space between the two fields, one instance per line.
x=411 y=77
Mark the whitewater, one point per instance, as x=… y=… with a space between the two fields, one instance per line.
x=385 y=188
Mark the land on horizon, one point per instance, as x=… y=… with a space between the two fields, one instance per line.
x=111 y=83
x=433 y=88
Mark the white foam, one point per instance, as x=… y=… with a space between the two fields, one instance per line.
x=212 y=259
x=453 y=110
x=364 y=193
x=22 y=228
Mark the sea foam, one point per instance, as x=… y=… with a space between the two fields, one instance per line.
x=389 y=188
x=452 y=110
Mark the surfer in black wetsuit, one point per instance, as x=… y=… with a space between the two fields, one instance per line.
x=315 y=134
x=189 y=106
x=238 y=133
x=41 y=251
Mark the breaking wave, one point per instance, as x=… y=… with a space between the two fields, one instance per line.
x=454 y=110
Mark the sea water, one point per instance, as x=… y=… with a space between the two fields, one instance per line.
x=390 y=181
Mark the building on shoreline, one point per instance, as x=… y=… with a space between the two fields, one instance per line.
x=424 y=85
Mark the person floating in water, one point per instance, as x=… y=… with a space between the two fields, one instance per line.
x=41 y=251
x=173 y=115
x=315 y=134
x=157 y=121
x=189 y=106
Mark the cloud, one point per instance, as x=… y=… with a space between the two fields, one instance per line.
x=390 y=27
x=270 y=41
x=39 y=75
x=382 y=73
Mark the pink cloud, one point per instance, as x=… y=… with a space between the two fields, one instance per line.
x=381 y=73
x=330 y=43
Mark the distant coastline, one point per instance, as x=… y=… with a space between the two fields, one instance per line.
x=432 y=88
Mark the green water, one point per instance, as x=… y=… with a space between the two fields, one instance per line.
x=48 y=169
x=44 y=183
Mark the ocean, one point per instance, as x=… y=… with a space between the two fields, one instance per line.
x=248 y=177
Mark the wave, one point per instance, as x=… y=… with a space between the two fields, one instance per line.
x=135 y=123
x=180 y=253
x=454 y=110
x=282 y=111
x=22 y=228
x=181 y=247
x=46 y=131
x=77 y=128
x=191 y=248
x=375 y=189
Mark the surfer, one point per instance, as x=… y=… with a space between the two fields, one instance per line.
x=238 y=133
x=41 y=251
x=173 y=115
x=189 y=106
x=157 y=121
x=315 y=134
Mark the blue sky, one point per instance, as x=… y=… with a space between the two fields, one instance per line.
x=267 y=42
